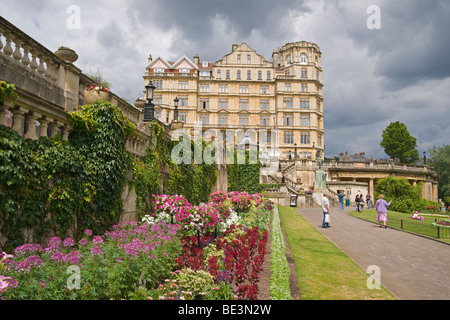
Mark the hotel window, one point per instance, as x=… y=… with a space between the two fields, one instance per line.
x=183 y=116
x=304 y=73
x=288 y=137
x=223 y=119
x=264 y=121
x=159 y=70
x=288 y=120
x=304 y=87
x=223 y=104
x=249 y=59
x=219 y=75
x=239 y=58
x=183 y=101
x=305 y=138
x=157 y=99
x=243 y=120
x=228 y=74
x=249 y=75
x=288 y=60
x=204 y=103
x=239 y=74
x=204 y=119
x=158 y=84
x=167 y=115
x=264 y=104
x=158 y=114
x=259 y=75
x=243 y=104
x=287 y=87
x=303 y=59
x=183 y=85
x=228 y=136
x=288 y=102
x=263 y=89
x=265 y=137
x=184 y=70
x=223 y=88
x=304 y=104
x=243 y=89
x=268 y=75
x=204 y=88
x=304 y=120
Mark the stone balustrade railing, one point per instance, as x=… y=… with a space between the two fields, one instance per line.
x=49 y=86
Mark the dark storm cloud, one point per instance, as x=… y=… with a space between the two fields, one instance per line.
x=410 y=43
x=195 y=21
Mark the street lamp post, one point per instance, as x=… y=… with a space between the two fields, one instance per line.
x=149 y=108
x=175 y=113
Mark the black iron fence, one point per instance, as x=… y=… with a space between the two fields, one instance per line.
x=432 y=226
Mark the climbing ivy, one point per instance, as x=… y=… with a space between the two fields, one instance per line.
x=50 y=186
x=7 y=90
x=244 y=173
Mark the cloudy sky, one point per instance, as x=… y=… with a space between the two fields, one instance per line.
x=372 y=77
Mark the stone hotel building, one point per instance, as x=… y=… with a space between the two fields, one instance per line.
x=245 y=98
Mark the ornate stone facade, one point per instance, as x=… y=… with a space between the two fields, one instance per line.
x=244 y=97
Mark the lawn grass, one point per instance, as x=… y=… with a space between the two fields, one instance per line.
x=324 y=272
x=403 y=221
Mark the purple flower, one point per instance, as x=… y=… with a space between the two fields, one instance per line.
x=74 y=257
x=68 y=242
x=97 y=240
x=58 y=257
x=83 y=242
x=88 y=232
x=96 y=251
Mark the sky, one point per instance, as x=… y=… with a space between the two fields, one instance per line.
x=383 y=61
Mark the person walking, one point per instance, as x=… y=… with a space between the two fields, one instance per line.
x=361 y=203
x=357 y=202
x=326 y=211
x=368 y=201
x=341 y=200
x=381 y=207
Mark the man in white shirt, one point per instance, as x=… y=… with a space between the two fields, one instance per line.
x=326 y=211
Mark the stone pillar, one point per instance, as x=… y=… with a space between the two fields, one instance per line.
x=18 y=120
x=3 y=111
x=371 y=190
x=31 y=125
x=55 y=128
x=43 y=127
x=65 y=132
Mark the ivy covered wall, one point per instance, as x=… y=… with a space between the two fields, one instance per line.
x=50 y=187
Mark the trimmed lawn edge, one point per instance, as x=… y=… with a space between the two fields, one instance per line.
x=324 y=272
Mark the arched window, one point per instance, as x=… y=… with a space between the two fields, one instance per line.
x=303 y=59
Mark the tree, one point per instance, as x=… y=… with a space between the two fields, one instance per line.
x=398 y=143
x=440 y=161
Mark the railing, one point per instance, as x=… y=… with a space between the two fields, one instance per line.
x=23 y=49
x=427 y=227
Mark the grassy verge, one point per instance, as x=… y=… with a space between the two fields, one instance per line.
x=279 y=280
x=403 y=221
x=324 y=272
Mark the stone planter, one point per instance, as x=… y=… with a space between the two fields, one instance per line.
x=177 y=125
x=67 y=54
x=91 y=96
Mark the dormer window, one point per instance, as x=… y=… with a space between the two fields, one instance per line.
x=159 y=70
x=205 y=64
x=303 y=59
x=184 y=70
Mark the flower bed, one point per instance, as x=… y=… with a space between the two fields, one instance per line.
x=112 y=266
x=209 y=252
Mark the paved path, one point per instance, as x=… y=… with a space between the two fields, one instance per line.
x=411 y=267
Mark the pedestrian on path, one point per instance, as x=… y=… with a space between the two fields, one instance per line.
x=357 y=202
x=341 y=196
x=326 y=211
x=381 y=207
